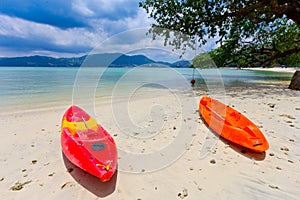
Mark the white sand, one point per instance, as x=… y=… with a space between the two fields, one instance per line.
x=274 y=69
x=30 y=152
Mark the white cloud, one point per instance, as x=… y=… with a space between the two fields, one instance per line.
x=81 y=8
x=117 y=23
x=27 y=30
x=9 y=26
x=135 y=41
x=139 y=21
x=106 y=9
x=103 y=18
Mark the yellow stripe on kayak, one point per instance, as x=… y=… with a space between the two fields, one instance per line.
x=78 y=126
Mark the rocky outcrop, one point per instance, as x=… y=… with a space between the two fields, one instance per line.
x=295 y=82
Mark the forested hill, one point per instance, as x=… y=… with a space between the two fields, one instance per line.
x=96 y=60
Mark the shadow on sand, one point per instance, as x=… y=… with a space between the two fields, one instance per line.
x=90 y=182
x=248 y=153
x=243 y=150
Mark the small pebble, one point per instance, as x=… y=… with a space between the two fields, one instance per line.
x=271 y=154
x=67 y=184
x=272 y=105
x=284 y=149
x=287 y=116
x=34 y=161
x=279 y=168
x=213 y=161
x=51 y=174
x=274 y=187
x=185 y=192
x=19 y=186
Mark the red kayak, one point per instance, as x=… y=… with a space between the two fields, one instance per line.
x=232 y=125
x=87 y=144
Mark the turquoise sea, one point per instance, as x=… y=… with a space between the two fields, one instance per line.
x=35 y=87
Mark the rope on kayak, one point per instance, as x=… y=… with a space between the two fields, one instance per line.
x=106 y=167
x=85 y=123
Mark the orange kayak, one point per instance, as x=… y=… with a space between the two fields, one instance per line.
x=232 y=125
x=87 y=144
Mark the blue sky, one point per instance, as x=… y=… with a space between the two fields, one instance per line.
x=64 y=28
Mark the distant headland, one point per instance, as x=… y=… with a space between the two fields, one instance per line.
x=95 y=60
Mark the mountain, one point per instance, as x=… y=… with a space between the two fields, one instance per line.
x=181 y=63
x=42 y=61
x=95 y=60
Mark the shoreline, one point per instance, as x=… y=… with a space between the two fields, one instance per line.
x=107 y=100
x=274 y=69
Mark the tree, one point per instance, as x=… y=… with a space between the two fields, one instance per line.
x=250 y=33
x=278 y=41
x=263 y=30
x=203 y=60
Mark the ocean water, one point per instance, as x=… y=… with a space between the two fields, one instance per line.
x=36 y=87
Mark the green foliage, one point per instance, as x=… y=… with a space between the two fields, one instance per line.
x=202 y=61
x=251 y=33
x=267 y=45
x=219 y=56
x=290 y=61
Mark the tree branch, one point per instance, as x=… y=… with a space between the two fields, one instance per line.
x=280 y=54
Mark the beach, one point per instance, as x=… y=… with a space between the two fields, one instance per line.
x=274 y=69
x=207 y=167
x=113 y=91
